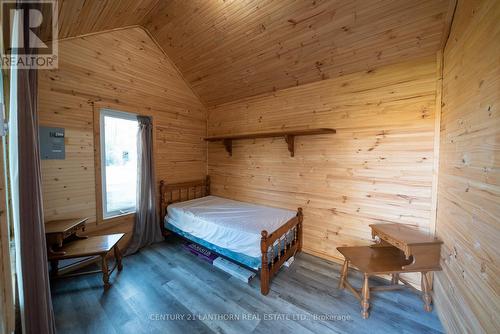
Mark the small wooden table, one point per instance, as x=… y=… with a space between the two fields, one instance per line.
x=93 y=246
x=56 y=231
x=402 y=249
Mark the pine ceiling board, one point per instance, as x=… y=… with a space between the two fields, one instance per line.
x=229 y=50
x=79 y=17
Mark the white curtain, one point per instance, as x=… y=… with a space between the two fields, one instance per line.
x=7 y=316
x=14 y=155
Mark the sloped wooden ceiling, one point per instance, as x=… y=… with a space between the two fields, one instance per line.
x=231 y=49
x=80 y=17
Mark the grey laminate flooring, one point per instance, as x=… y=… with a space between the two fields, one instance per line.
x=164 y=289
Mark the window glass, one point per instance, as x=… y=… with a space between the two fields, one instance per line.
x=119 y=162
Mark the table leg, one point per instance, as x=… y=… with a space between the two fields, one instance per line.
x=118 y=257
x=365 y=297
x=343 y=274
x=54 y=267
x=52 y=252
x=426 y=292
x=105 y=272
x=395 y=279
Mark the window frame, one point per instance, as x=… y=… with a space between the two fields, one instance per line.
x=121 y=115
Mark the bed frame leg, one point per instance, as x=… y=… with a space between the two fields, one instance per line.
x=264 y=269
x=300 y=215
x=264 y=283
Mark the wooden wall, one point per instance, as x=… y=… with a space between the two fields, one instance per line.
x=467 y=291
x=377 y=168
x=126 y=70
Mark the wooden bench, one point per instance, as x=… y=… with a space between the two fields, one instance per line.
x=91 y=246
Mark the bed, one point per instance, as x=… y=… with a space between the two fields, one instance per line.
x=258 y=237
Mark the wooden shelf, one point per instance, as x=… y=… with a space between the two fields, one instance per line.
x=289 y=136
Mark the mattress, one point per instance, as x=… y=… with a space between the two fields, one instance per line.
x=227 y=224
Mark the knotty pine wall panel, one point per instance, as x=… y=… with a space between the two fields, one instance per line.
x=126 y=70
x=467 y=290
x=377 y=168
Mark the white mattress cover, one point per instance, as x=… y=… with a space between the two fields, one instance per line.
x=227 y=223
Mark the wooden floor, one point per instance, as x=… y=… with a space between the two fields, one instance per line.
x=163 y=289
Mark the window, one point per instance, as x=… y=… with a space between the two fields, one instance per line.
x=118 y=162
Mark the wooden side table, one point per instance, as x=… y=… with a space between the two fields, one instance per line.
x=56 y=231
x=93 y=246
x=402 y=249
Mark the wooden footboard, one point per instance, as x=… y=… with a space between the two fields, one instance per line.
x=272 y=243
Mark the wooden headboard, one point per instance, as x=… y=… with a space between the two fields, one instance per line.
x=179 y=192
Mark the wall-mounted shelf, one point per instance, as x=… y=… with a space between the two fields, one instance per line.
x=289 y=136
